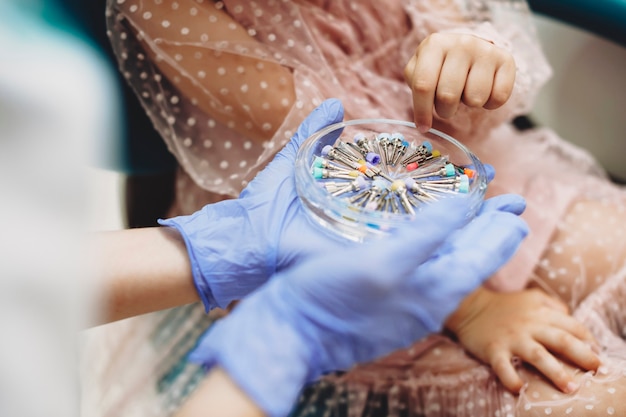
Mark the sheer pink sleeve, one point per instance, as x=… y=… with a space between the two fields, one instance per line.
x=220 y=98
x=226 y=83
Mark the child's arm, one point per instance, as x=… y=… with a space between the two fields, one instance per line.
x=529 y=325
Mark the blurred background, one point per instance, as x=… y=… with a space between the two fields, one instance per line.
x=585 y=101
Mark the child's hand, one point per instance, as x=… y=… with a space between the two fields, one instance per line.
x=450 y=68
x=495 y=327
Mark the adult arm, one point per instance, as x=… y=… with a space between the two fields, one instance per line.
x=144 y=270
x=220 y=253
x=220 y=394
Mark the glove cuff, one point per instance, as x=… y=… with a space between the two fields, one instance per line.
x=229 y=257
x=202 y=285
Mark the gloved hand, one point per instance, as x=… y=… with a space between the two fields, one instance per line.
x=234 y=246
x=361 y=301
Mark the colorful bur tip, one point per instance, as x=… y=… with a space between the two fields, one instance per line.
x=464 y=184
x=449 y=170
x=380 y=184
x=397 y=185
x=317 y=173
x=412 y=166
x=319 y=162
x=358 y=137
x=372 y=158
x=326 y=150
x=361 y=182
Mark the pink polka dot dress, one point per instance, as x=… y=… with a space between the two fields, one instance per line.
x=226 y=83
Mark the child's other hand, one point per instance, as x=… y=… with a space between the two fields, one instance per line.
x=450 y=68
x=530 y=325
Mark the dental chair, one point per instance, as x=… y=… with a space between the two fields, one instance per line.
x=585 y=101
x=605 y=18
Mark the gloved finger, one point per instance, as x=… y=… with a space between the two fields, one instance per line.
x=415 y=243
x=379 y=265
x=490 y=172
x=326 y=114
x=478 y=250
x=512 y=203
x=493 y=231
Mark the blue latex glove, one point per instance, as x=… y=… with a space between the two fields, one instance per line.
x=234 y=246
x=361 y=301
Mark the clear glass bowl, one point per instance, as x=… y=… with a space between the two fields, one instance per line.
x=361 y=178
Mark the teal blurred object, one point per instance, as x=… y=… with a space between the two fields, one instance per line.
x=141 y=150
x=606 y=18
x=43 y=24
x=147 y=166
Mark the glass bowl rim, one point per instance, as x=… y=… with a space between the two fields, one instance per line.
x=315 y=199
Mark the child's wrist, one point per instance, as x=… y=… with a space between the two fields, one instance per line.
x=471 y=306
